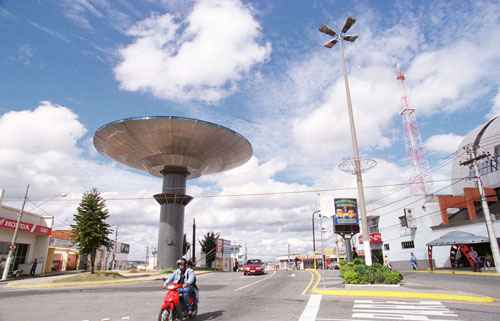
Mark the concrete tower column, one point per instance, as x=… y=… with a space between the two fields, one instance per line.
x=173 y=199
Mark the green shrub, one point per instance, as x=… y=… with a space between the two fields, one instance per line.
x=392 y=277
x=357 y=272
x=351 y=277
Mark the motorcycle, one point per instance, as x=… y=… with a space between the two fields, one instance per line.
x=171 y=308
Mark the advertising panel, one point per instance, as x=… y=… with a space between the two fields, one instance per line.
x=346 y=211
x=346 y=219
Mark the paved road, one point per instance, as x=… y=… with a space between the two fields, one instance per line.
x=229 y=297
x=223 y=296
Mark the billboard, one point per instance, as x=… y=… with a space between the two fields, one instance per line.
x=124 y=248
x=346 y=219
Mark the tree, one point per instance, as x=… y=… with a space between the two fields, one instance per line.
x=208 y=245
x=185 y=245
x=90 y=230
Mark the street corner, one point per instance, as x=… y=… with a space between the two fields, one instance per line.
x=313 y=282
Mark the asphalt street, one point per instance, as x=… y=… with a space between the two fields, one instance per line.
x=229 y=296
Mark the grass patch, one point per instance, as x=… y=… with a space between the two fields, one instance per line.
x=166 y=271
x=88 y=277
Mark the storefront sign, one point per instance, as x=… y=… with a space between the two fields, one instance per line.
x=23 y=226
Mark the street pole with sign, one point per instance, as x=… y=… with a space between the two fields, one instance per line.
x=12 y=247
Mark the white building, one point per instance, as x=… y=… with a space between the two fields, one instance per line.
x=409 y=224
x=32 y=238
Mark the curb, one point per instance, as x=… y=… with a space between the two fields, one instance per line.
x=372 y=285
x=462 y=273
x=406 y=295
x=75 y=285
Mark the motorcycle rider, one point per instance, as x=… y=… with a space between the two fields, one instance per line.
x=185 y=276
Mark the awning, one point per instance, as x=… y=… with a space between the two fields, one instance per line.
x=458 y=237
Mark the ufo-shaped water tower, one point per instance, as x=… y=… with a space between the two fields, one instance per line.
x=176 y=149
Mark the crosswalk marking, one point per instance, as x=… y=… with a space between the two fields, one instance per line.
x=402 y=310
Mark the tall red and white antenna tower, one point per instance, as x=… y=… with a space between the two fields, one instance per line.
x=420 y=172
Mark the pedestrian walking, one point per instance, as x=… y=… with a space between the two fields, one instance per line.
x=413 y=262
x=475 y=260
x=387 y=263
x=33 y=267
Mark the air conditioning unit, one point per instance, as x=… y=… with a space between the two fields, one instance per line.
x=410 y=218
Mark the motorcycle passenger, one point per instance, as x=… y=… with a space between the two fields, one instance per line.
x=185 y=276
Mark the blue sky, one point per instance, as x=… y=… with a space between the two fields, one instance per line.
x=255 y=66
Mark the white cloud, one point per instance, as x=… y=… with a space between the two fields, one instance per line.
x=443 y=143
x=199 y=58
x=495 y=109
x=375 y=102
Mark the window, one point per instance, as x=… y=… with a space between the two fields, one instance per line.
x=407 y=245
x=497 y=150
x=386 y=246
x=4 y=248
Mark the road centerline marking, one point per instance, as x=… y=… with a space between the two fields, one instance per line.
x=312 y=308
x=254 y=283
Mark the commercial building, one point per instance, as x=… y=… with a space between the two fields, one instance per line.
x=407 y=225
x=63 y=254
x=32 y=238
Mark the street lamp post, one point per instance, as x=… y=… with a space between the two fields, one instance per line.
x=314 y=237
x=341 y=37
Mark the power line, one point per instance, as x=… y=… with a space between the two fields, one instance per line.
x=249 y=194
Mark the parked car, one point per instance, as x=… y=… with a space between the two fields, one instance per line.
x=253 y=266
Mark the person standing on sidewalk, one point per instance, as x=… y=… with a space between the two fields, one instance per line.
x=475 y=260
x=33 y=267
x=413 y=262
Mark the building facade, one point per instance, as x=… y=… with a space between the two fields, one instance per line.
x=32 y=238
x=407 y=226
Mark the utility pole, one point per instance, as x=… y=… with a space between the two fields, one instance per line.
x=12 y=247
x=147 y=256
x=246 y=253
x=288 y=255
x=193 y=255
x=114 y=248
x=472 y=162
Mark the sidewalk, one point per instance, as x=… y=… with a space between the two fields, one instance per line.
x=432 y=287
x=455 y=272
x=46 y=275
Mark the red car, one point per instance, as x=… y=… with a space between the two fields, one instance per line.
x=254 y=266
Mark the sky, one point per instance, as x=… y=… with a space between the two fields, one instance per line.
x=258 y=67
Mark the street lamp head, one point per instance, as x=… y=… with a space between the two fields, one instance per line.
x=330 y=43
x=348 y=24
x=350 y=38
x=327 y=30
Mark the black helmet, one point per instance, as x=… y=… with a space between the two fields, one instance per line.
x=181 y=261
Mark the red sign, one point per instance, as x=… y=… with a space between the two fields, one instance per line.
x=23 y=226
x=375 y=238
